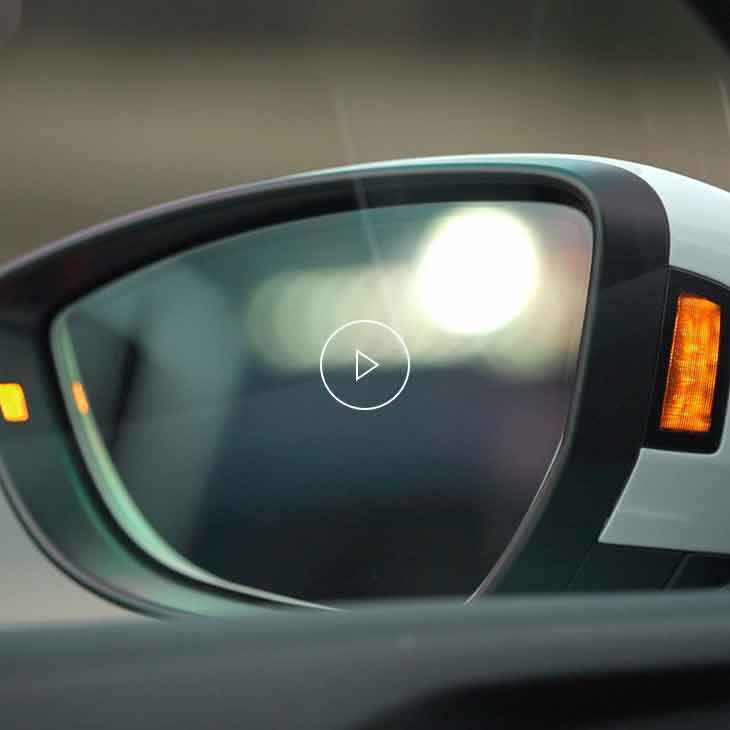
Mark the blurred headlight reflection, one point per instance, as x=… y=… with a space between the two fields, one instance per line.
x=479 y=271
x=473 y=292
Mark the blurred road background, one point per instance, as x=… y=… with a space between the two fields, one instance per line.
x=109 y=107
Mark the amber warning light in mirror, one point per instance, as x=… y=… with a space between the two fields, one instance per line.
x=690 y=389
x=80 y=398
x=12 y=403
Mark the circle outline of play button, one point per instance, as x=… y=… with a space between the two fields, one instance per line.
x=392 y=332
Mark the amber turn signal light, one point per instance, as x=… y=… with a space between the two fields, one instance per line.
x=690 y=388
x=12 y=403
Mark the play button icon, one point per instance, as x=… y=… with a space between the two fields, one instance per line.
x=368 y=365
x=381 y=363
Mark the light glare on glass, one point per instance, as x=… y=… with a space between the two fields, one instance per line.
x=690 y=388
x=12 y=403
x=478 y=273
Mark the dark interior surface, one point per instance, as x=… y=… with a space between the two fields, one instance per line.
x=573 y=663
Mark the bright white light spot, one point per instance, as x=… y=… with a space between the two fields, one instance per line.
x=479 y=271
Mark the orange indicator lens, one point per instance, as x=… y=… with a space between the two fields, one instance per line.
x=690 y=388
x=12 y=403
x=79 y=394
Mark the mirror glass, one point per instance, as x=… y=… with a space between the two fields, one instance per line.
x=351 y=406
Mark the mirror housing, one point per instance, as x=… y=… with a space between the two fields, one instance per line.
x=655 y=234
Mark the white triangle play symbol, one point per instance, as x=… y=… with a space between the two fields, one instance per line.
x=369 y=362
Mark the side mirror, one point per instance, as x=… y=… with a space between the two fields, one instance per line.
x=440 y=377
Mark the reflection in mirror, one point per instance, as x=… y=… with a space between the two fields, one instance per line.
x=352 y=406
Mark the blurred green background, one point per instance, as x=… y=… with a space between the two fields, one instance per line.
x=109 y=107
